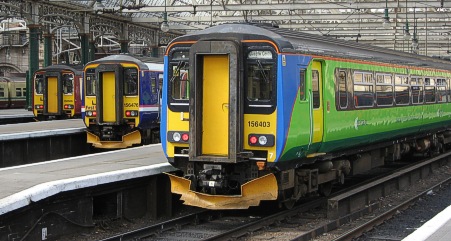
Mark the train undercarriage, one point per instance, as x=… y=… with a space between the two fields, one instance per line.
x=245 y=184
x=121 y=136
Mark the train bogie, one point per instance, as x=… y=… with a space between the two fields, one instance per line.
x=249 y=106
x=121 y=101
x=57 y=92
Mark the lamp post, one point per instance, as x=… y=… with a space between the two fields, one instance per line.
x=414 y=38
x=164 y=24
x=386 y=23
x=406 y=28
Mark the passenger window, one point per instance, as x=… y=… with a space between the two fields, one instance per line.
x=402 y=92
x=39 y=84
x=2 y=92
x=302 y=84
x=384 y=90
x=18 y=92
x=68 y=83
x=315 y=89
x=90 y=82
x=363 y=90
x=24 y=92
x=417 y=90
x=441 y=90
x=429 y=90
x=130 y=81
x=342 y=90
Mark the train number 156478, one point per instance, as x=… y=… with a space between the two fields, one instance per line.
x=259 y=123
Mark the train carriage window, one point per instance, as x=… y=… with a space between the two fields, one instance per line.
x=429 y=90
x=39 y=84
x=315 y=89
x=24 y=91
x=384 y=90
x=363 y=90
x=2 y=92
x=90 y=82
x=342 y=89
x=18 y=92
x=402 y=92
x=68 y=83
x=302 y=84
x=153 y=86
x=130 y=81
x=441 y=90
x=417 y=90
x=448 y=86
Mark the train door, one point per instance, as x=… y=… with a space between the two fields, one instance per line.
x=215 y=105
x=214 y=119
x=317 y=121
x=108 y=96
x=109 y=93
x=52 y=94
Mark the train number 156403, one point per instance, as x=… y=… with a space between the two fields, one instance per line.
x=259 y=123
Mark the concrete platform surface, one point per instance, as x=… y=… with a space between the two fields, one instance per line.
x=436 y=229
x=30 y=183
x=40 y=129
x=14 y=113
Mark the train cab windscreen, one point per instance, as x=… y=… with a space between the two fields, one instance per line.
x=68 y=84
x=39 y=84
x=260 y=76
x=90 y=82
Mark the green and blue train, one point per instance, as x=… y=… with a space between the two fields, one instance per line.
x=253 y=112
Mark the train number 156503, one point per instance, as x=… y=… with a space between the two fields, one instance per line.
x=259 y=123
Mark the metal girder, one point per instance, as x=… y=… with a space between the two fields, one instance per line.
x=271 y=6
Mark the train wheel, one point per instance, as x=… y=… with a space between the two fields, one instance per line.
x=325 y=189
x=288 y=200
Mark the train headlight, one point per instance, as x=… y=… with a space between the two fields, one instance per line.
x=178 y=136
x=261 y=140
x=68 y=107
x=91 y=113
x=39 y=107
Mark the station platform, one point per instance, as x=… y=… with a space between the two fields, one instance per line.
x=14 y=113
x=40 y=129
x=22 y=185
x=436 y=229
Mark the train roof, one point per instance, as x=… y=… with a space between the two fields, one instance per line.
x=56 y=67
x=311 y=44
x=142 y=62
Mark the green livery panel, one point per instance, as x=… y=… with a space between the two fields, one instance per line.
x=348 y=125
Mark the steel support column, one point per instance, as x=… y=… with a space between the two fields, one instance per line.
x=92 y=51
x=155 y=52
x=48 y=43
x=124 y=46
x=85 y=55
x=33 y=63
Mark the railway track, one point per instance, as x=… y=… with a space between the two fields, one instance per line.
x=306 y=221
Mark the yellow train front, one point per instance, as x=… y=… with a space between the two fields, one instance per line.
x=121 y=101
x=220 y=137
x=57 y=92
